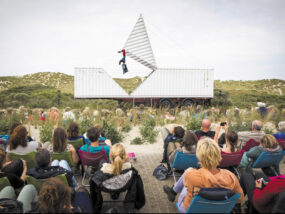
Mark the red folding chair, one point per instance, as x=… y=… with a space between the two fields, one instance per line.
x=91 y=160
x=231 y=161
x=250 y=144
x=281 y=142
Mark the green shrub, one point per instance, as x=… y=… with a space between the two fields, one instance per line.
x=4 y=125
x=126 y=127
x=85 y=124
x=111 y=132
x=137 y=141
x=194 y=124
x=46 y=132
x=148 y=131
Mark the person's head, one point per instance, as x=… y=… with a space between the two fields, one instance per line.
x=14 y=125
x=43 y=158
x=256 y=125
x=208 y=153
x=117 y=157
x=281 y=126
x=222 y=139
x=198 y=109
x=59 y=139
x=93 y=134
x=18 y=137
x=2 y=157
x=232 y=139
x=179 y=132
x=189 y=140
x=54 y=197
x=67 y=109
x=73 y=130
x=206 y=124
x=268 y=141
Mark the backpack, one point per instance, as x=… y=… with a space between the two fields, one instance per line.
x=160 y=172
x=10 y=206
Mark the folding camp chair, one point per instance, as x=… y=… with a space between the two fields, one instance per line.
x=76 y=143
x=250 y=144
x=281 y=142
x=91 y=160
x=29 y=158
x=202 y=205
x=268 y=159
x=184 y=161
x=39 y=182
x=4 y=182
x=63 y=156
x=231 y=161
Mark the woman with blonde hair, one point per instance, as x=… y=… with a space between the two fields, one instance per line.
x=116 y=177
x=208 y=176
x=268 y=143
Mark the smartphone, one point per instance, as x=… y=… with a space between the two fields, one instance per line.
x=223 y=123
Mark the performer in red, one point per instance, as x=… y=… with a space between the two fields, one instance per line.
x=123 y=60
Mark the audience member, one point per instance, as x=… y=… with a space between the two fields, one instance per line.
x=262 y=192
x=256 y=134
x=93 y=135
x=280 y=136
x=27 y=196
x=73 y=132
x=19 y=144
x=45 y=170
x=174 y=135
x=15 y=171
x=206 y=124
x=59 y=144
x=102 y=137
x=231 y=139
x=267 y=144
x=208 y=176
x=117 y=176
x=68 y=115
x=188 y=144
x=55 y=197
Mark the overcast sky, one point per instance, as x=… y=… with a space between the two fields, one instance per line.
x=239 y=39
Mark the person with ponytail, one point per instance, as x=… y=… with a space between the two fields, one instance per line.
x=231 y=139
x=115 y=177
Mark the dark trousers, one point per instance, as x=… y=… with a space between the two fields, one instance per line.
x=82 y=200
x=247 y=182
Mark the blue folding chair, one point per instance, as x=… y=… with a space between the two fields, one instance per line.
x=268 y=159
x=184 y=161
x=202 y=205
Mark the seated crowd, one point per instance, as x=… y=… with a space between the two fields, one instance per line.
x=60 y=191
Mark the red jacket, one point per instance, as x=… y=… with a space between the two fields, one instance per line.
x=124 y=52
x=263 y=200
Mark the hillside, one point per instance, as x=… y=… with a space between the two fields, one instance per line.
x=58 y=81
x=44 y=87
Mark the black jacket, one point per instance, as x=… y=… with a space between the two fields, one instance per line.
x=50 y=171
x=129 y=180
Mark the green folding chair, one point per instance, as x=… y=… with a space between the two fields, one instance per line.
x=76 y=143
x=29 y=158
x=4 y=182
x=39 y=182
x=63 y=156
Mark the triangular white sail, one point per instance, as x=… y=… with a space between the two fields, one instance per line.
x=138 y=45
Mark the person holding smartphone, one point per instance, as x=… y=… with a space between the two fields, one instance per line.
x=262 y=192
x=231 y=138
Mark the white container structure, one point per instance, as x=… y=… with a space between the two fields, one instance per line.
x=164 y=86
x=96 y=83
x=171 y=83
